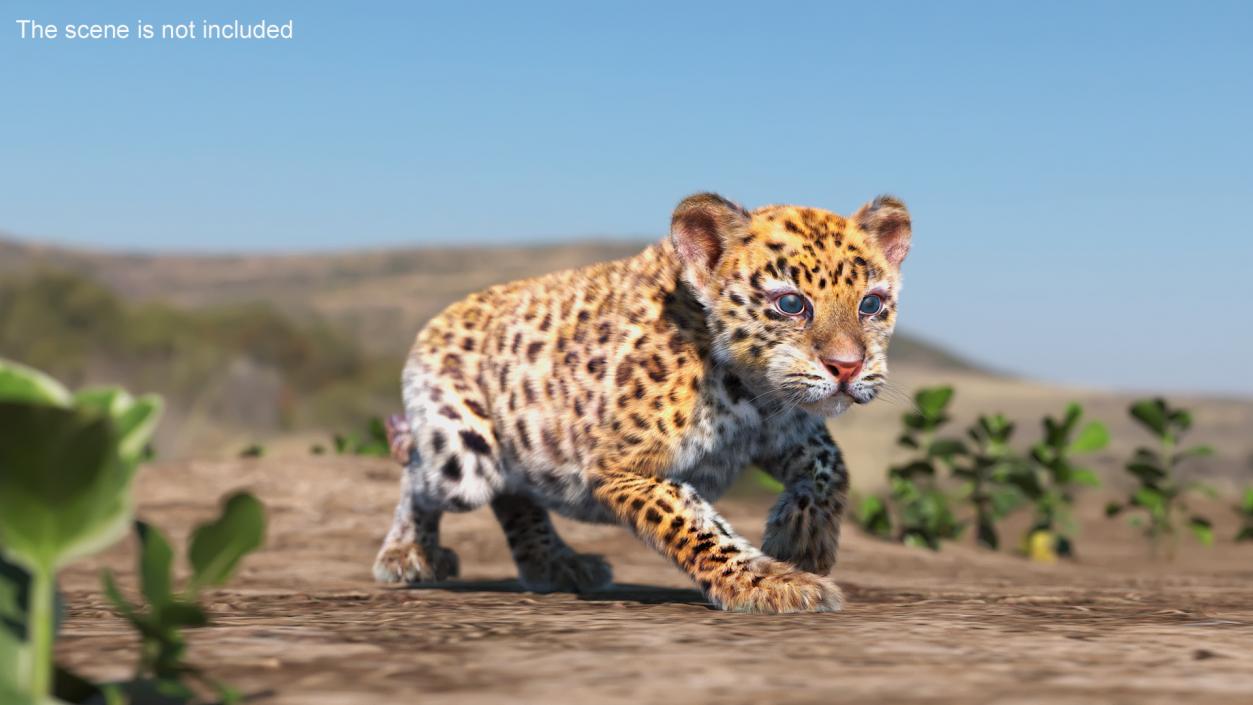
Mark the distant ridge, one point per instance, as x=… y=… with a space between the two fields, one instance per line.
x=380 y=297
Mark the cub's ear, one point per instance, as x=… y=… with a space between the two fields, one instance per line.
x=700 y=229
x=886 y=221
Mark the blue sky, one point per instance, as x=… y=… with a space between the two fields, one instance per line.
x=1080 y=173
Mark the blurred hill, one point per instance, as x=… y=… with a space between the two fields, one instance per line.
x=284 y=348
x=379 y=298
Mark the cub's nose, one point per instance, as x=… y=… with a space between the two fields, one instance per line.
x=844 y=370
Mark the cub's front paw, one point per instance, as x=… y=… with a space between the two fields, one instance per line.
x=804 y=533
x=410 y=563
x=769 y=586
x=565 y=571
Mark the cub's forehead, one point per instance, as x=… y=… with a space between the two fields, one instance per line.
x=798 y=220
x=810 y=247
x=810 y=230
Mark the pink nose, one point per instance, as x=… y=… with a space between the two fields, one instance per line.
x=844 y=370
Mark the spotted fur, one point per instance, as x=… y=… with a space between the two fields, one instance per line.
x=636 y=391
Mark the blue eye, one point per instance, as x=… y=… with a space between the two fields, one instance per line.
x=791 y=304
x=870 y=305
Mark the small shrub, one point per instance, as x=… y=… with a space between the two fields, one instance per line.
x=1160 y=499
x=1053 y=478
x=987 y=467
x=67 y=462
x=214 y=551
x=256 y=450
x=373 y=442
x=1245 y=510
x=915 y=510
x=66 y=466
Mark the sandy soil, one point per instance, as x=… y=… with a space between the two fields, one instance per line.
x=303 y=624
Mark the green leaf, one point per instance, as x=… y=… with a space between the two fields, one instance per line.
x=1073 y=412
x=932 y=401
x=1246 y=534
x=253 y=451
x=916 y=422
x=218 y=546
x=1026 y=481
x=19 y=383
x=1054 y=434
x=64 y=492
x=156 y=560
x=341 y=443
x=914 y=469
x=1150 y=499
x=9 y=695
x=1246 y=506
x=1180 y=419
x=1147 y=473
x=907 y=441
x=1152 y=414
x=1092 y=437
x=1202 y=529
x=111 y=591
x=766 y=482
x=1113 y=509
x=136 y=425
x=1194 y=452
x=1085 y=477
x=1006 y=500
x=946 y=448
x=872 y=515
x=180 y=613
x=373 y=449
x=376 y=431
x=916 y=540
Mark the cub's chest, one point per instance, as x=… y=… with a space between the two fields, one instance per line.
x=727 y=431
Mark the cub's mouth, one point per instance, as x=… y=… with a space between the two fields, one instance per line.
x=839 y=399
x=860 y=392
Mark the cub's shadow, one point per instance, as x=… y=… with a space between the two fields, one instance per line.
x=617 y=592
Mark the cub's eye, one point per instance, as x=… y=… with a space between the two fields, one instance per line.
x=870 y=305
x=791 y=304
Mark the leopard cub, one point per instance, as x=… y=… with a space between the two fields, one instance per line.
x=636 y=391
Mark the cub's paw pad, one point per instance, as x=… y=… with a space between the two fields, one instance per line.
x=409 y=563
x=565 y=571
x=773 y=587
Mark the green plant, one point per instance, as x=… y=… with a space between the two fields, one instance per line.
x=1053 y=478
x=214 y=551
x=67 y=462
x=372 y=442
x=256 y=450
x=987 y=468
x=1160 y=497
x=1245 y=510
x=915 y=510
x=66 y=466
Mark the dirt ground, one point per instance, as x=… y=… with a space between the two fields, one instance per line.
x=303 y=623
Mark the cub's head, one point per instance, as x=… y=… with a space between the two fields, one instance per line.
x=801 y=301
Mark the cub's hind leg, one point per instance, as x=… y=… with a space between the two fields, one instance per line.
x=545 y=563
x=411 y=552
x=451 y=464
